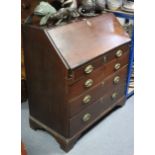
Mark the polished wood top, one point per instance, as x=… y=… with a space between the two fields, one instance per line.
x=80 y=42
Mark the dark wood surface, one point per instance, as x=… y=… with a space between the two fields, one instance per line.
x=55 y=90
x=98 y=62
x=46 y=77
x=27 y=7
x=105 y=85
x=97 y=76
x=23 y=90
x=103 y=103
x=80 y=42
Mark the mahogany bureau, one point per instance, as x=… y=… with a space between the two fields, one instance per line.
x=76 y=74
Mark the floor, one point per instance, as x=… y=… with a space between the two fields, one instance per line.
x=111 y=136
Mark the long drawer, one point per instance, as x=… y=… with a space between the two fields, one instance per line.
x=86 y=117
x=98 y=75
x=91 y=67
x=113 y=82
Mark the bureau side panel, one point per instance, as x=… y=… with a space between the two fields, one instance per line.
x=46 y=80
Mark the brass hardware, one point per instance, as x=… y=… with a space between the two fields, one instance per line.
x=117 y=66
x=86 y=99
x=88 y=83
x=119 y=53
x=114 y=95
x=116 y=79
x=89 y=69
x=86 y=117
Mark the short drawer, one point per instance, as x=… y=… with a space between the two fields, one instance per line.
x=86 y=117
x=112 y=82
x=88 y=82
x=90 y=67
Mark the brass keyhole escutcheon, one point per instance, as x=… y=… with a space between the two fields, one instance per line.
x=119 y=53
x=86 y=117
x=114 y=95
x=89 y=69
x=86 y=99
x=117 y=66
x=116 y=80
x=88 y=83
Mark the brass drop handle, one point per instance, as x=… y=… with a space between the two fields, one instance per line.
x=116 y=79
x=88 y=83
x=89 y=69
x=86 y=99
x=117 y=66
x=119 y=53
x=114 y=95
x=86 y=117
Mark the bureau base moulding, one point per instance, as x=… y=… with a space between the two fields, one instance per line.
x=67 y=143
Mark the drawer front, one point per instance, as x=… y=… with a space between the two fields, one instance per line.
x=98 y=76
x=113 y=82
x=86 y=117
x=90 y=67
